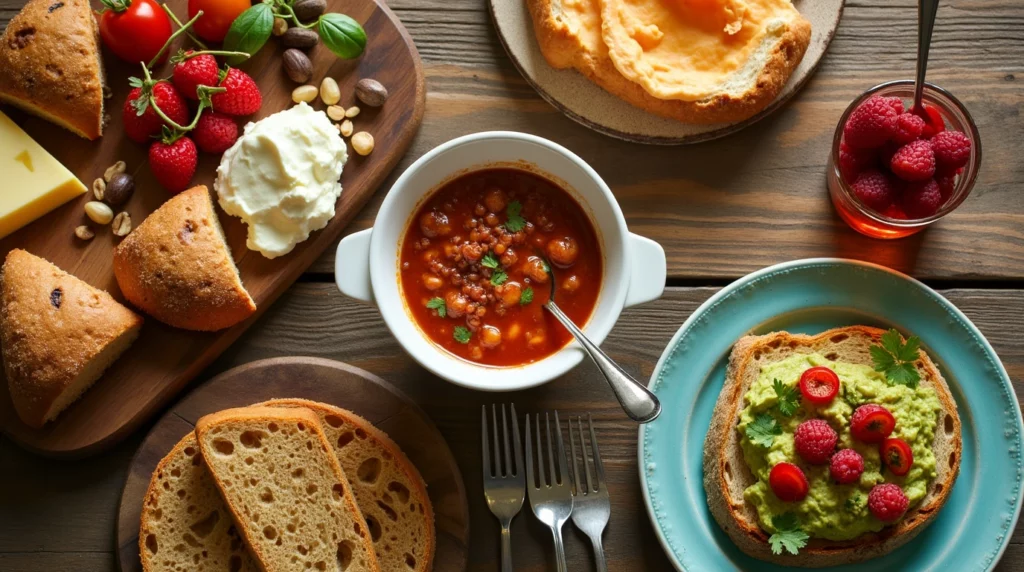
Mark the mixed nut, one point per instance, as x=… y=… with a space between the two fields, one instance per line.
x=112 y=190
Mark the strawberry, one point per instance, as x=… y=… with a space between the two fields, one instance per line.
x=192 y=71
x=140 y=121
x=173 y=164
x=215 y=132
x=242 y=96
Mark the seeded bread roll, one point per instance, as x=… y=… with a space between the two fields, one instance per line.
x=51 y=65
x=177 y=267
x=58 y=334
x=285 y=489
x=726 y=474
x=388 y=488
x=186 y=527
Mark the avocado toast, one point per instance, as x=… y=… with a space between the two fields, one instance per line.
x=833 y=519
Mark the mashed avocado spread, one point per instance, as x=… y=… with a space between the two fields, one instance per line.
x=833 y=511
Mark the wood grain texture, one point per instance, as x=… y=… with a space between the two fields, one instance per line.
x=50 y=506
x=325 y=381
x=164 y=359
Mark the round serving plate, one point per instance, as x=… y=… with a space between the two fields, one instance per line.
x=589 y=105
x=809 y=296
x=327 y=381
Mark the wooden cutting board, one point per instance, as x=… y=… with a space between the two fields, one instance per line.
x=321 y=380
x=164 y=359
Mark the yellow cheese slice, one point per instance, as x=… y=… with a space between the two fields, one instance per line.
x=34 y=183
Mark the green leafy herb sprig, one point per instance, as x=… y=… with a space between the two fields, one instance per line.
x=526 y=296
x=462 y=334
x=763 y=430
x=252 y=28
x=895 y=358
x=514 y=221
x=788 y=535
x=439 y=305
x=789 y=398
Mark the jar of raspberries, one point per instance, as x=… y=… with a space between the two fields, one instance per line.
x=894 y=170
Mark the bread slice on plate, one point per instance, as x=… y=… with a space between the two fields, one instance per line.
x=58 y=333
x=388 y=488
x=51 y=65
x=285 y=489
x=185 y=524
x=177 y=267
x=727 y=475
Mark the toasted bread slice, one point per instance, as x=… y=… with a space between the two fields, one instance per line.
x=185 y=524
x=388 y=488
x=572 y=34
x=726 y=474
x=285 y=489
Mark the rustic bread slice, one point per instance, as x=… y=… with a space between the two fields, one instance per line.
x=726 y=474
x=388 y=488
x=59 y=335
x=51 y=65
x=177 y=267
x=186 y=527
x=285 y=489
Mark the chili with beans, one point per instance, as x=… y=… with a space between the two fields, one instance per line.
x=473 y=269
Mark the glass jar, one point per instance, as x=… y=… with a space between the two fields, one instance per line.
x=866 y=220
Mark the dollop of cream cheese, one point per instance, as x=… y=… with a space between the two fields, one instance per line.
x=282 y=178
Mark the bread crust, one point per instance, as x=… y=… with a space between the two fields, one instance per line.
x=726 y=474
x=50 y=65
x=177 y=268
x=563 y=49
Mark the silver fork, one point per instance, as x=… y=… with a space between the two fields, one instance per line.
x=504 y=485
x=591 y=507
x=550 y=493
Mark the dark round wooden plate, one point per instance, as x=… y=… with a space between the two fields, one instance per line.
x=322 y=380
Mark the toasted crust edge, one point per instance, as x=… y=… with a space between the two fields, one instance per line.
x=749 y=536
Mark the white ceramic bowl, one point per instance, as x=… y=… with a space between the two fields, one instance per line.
x=367 y=263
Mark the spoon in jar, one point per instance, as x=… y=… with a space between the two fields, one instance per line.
x=925 y=24
x=637 y=401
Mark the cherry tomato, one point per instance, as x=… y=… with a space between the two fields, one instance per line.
x=134 y=30
x=871 y=423
x=896 y=455
x=217 y=16
x=819 y=385
x=788 y=482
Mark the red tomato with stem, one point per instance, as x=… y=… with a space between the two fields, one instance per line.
x=217 y=16
x=134 y=30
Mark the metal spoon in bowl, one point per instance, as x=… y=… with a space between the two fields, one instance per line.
x=925 y=24
x=637 y=401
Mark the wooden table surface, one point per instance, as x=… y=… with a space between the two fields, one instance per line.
x=720 y=209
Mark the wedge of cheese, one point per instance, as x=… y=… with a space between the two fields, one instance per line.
x=34 y=182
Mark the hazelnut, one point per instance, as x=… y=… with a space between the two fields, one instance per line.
x=297 y=65
x=371 y=92
x=120 y=189
x=300 y=38
x=306 y=10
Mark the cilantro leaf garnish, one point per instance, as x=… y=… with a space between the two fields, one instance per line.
x=788 y=534
x=489 y=261
x=895 y=358
x=789 y=400
x=763 y=429
x=498 y=278
x=526 y=296
x=514 y=222
x=439 y=305
x=461 y=334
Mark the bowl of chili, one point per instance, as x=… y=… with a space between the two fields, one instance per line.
x=475 y=236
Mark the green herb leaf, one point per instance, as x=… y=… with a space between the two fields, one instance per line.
x=342 y=35
x=763 y=429
x=498 y=278
x=789 y=400
x=526 y=296
x=461 y=334
x=250 y=31
x=514 y=222
x=439 y=305
x=788 y=534
x=489 y=261
x=895 y=358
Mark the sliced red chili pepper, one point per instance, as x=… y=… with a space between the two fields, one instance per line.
x=896 y=455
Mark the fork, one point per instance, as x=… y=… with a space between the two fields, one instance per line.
x=550 y=493
x=504 y=485
x=591 y=507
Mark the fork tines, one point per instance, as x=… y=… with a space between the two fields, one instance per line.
x=592 y=483
x=511 y=454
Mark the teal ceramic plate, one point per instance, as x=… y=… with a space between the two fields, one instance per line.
x=809 y=296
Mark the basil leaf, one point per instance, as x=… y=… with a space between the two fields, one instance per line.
x=250 y=31
x=342 y=35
